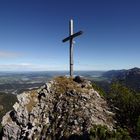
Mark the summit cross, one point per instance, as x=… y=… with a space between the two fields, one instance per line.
x=70 y=38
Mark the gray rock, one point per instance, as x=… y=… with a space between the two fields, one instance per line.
x=53 y=112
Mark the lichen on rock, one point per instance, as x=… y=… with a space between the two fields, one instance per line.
x=59 y=109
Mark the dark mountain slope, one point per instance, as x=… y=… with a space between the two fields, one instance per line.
x=129 y=78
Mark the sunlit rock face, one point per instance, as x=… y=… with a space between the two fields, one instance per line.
x=60 y=109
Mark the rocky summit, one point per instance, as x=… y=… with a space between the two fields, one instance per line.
x=62 y=108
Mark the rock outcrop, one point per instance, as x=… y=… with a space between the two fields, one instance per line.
x=59 y=109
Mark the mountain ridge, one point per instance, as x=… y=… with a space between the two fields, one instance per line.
x=129 y=78
x=59 y=109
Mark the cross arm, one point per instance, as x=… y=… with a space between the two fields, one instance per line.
x=72 y=36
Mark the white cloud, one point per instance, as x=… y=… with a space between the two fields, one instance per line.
x=15 y=67
x=8 y=54
x=28 y=67
x=25 y=64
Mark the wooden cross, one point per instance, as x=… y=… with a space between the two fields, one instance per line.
x=71 y=39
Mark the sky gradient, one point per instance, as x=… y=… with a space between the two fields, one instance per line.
x=31 y=33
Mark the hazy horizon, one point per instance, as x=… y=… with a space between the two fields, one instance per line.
x=22 y=71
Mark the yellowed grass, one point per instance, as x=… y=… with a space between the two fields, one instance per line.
x=64 y=84
x=33 y=97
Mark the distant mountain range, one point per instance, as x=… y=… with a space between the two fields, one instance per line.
x=129 y=78
x=16 y=82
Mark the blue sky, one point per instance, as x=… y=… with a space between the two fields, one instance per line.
x=31 y=33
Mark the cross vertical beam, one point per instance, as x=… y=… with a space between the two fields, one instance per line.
x=70 y=38
x=71 y=47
